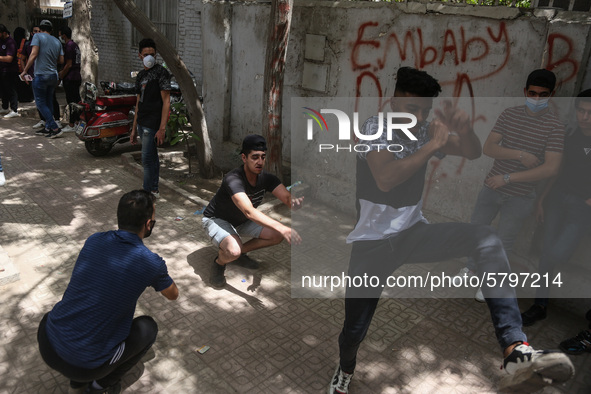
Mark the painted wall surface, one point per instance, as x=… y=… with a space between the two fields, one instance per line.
x=118 y=55
x=472 y=51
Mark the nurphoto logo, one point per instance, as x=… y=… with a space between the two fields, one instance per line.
x=362 y=144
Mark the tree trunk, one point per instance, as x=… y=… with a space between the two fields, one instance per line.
x=82 y=35
x=141 y=22
x=279 y=23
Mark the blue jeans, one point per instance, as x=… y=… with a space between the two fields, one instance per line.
x=1 y=164
x=426 y=243
x=150 y=159
x=513 y=212
x=567 y=219
x=43 y=89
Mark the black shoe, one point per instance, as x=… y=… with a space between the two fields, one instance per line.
x=588 y=317
x=578 y=344
x=54 y=134
x=245 y=261
x=43 y=132
x=533 y=314
x=217 y=278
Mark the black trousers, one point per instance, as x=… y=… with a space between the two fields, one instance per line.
x=8 y=90
x=141 y=338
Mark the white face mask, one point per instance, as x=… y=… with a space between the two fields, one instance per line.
x=537 y=105
x=149 y=61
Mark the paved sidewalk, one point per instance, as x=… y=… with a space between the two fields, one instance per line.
x=261 y=340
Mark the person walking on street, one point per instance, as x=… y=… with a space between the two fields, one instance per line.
x=46 y=53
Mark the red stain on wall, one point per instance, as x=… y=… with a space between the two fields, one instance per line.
x=474 y=55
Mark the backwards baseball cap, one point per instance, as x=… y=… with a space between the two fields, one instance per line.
x=45 y=22
x=253 y=142
x=542 y=77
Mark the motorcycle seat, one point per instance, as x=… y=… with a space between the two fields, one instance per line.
x=127 y=100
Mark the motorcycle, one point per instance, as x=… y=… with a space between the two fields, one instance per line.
x=106 y=120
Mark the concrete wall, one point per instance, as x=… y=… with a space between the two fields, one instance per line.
x=352 y=49
x=13 y=14
x=118 y=55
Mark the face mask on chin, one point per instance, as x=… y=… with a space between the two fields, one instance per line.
x=536 y=105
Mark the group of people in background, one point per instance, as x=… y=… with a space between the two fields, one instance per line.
x=32 y=69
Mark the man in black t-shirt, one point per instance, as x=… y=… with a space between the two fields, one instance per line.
x=151 y=112
x=232 y=211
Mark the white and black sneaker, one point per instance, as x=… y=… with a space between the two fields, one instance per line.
x=531 y=370
x=39 y=125
x=340 y=382
x=43 y=132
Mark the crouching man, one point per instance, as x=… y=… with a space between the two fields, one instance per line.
x=232 y=211
x=90 y=336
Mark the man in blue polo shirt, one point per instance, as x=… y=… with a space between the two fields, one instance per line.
x=90 y=336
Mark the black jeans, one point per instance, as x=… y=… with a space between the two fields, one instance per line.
x=8 y=90
x=141 y=338
x=425 y=243
x=72 y=90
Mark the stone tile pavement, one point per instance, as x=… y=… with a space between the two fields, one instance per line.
x=261 y=340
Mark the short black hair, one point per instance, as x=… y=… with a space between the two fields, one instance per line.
x=67 y=32
x=134 y=209
x=146 y=43
x=541 y=77
x=585 y=96
x=3 y=29
x=416 y=82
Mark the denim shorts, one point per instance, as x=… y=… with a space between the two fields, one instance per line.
x=218 y=229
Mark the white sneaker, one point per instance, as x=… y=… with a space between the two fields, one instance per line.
x=530 y=370
x=2 y=178
x=11 y=114
x=479 y=296
x=68 y=129
x=340 y=382
x=59 y=125
x=156 y=194
x=39 y=125
x=4 y=111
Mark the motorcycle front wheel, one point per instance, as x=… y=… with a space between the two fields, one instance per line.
x=98 y=147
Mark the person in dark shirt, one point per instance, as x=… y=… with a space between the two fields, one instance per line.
x=151 y=112
x=391 y=231
x=8 y=73
x=70 y=74
x=564 y=206
x=232 y=211
x=91 y=336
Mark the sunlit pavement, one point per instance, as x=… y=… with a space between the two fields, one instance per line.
x=261 y=340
